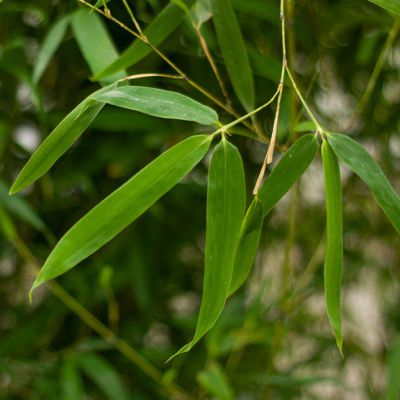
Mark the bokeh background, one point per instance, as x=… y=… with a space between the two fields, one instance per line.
x=273 y=340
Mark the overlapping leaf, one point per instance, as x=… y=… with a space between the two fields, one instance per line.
x=225 y=209
x=361 y=163
x=390 y=5
x=334 y=240
x=123 y=206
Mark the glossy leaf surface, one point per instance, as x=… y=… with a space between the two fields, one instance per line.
x=123 y=206
x=158 y=102
x=334 y=240
x=226 y=197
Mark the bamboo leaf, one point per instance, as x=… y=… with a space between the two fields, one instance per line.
x=334 y=240
x=234 y=51
x=50 y=44
x=58 y=142
x=362 y=164
x=288 y=170
x=390 y=5
x=215 y=382
x=123 y=206
x=160 y=103
x=95 y=43
x=104 y=375
x=71 y=381
x=159 y=29
x=393 y=380
x=225 y=210
x=246 y=249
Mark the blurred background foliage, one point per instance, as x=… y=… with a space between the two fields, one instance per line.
x=273 y=340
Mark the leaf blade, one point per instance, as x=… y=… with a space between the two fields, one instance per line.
x=389 y=5
x=163 y=25
x=225 y=210
x=234 y=51
x=50 y=44
x=123 y=206
x=160 y=103
x=363 y=165
x=334 y=240
x=288 y=170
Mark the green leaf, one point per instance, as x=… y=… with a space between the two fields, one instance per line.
x=95 y=43
x=160 y=28
x=246 y=249
x=104 y=375
x=334 y=240
x=123 y=206
x=393 y=381
x=288 y=170
x=50 y=44
x=158 y=102
x=226 y=198
x=390 y=5
x=215 y=382
x=234 y=51
x=362 y=164
x=58 y=142
x=20 y=208
x=71 y=381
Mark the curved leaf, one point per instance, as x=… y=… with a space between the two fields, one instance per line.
x=158 y=102
x=95 y=43
x=159 y=29
x=234 y=51
x=288 y=170
x=226 y=197
x=249 y=239
x=123 y=206
x=362 y=164
x=50 y=44
x=58 y=142
x=334 y=240
x=390 y=5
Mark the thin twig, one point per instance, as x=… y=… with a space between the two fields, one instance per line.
x=150 y=75
x=133 y=18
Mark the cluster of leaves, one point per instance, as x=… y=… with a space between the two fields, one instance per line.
x=232 y=233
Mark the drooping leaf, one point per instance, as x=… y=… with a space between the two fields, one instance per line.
x=215 y=382
x=50 y=44
x=362 y=164
x=390 y=5
x=159 y=29
x=95 y=43
x=58 y=142
x=104 y=375
x=226 y=197
x=234 y=51
x=288 y=170
x=246 y=249
x=158 y=102
x=123 y=206
x=334 y=240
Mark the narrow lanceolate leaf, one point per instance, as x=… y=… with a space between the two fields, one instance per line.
x=393 y=365
x=158 y=102
x=123 y=206
x=95 y=43
x=50 y=44
x=234 y=51
x=288 y=170
x=390 y=5
x=58 y=142
x=246 y=249
x=334 y=240
x=225 y=209
x=362 y=164
x=160 y=28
